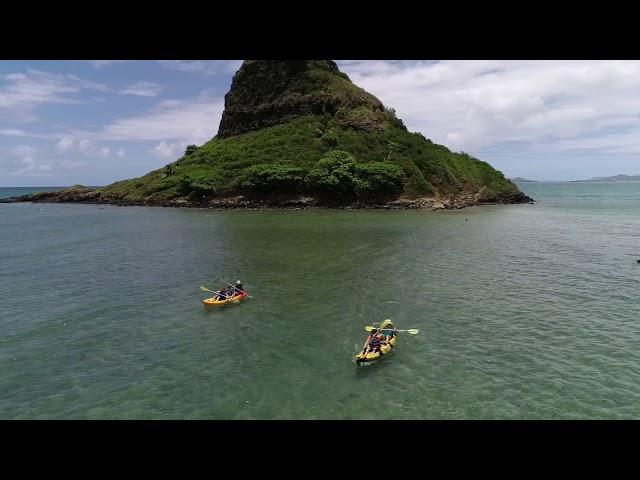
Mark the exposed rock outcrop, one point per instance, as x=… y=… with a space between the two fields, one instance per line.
x=265 y=93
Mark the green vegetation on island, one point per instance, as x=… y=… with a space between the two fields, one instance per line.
x=288 y=158
x=302 y=129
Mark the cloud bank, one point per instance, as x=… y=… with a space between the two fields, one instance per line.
x=549 y=106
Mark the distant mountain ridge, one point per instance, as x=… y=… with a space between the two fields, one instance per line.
x=520 y=179
x=614 y=178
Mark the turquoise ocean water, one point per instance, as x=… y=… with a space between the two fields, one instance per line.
x=524 y=311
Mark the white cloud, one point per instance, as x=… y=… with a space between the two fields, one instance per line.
x=85 y=147
x=205 y=67
x=30 y=161
x=191 y=121
x=120 y=153
x=475 y=105
x=68 y=164
x=143 y=89
x=23 y=162
x=97 y=64
x=22 y=93
x=13 y=132
x=25 y=152
x=64 y=144
x=166 y=150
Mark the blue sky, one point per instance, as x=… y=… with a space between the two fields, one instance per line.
x=95 y=122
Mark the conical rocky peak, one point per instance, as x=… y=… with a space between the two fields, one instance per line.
x=265 y=93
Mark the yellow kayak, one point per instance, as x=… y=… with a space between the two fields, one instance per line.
x=385 y=348
x=212 y=302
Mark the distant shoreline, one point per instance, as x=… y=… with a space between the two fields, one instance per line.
x=612 y=179
x=576 y=181
x=43 y=188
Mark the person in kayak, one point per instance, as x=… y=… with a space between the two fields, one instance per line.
x=237 y=290
x=388 y=334
x=371 y=335
x=366 y=343
x=223 y=293
x=373 y=342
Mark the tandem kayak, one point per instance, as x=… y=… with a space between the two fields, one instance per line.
x=362 y=359
x=212 y=302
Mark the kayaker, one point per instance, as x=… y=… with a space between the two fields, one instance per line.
x=371 y=335
x=374 y=341
x=366 y=343
x=389 y=333
x=223 y=294
x=239 y=287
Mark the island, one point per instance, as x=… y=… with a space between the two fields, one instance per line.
x=297 y=134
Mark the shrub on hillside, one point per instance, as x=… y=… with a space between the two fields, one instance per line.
x=268 y=177
x=335 y=173
x=361 y=118
x=198 y=184
x=329 y=138
x=393 y=119
x=379 y=180
x=169 y=169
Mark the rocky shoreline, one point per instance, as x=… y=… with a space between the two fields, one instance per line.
x=88 y=196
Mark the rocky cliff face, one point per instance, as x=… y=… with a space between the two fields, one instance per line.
x=265 y=93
